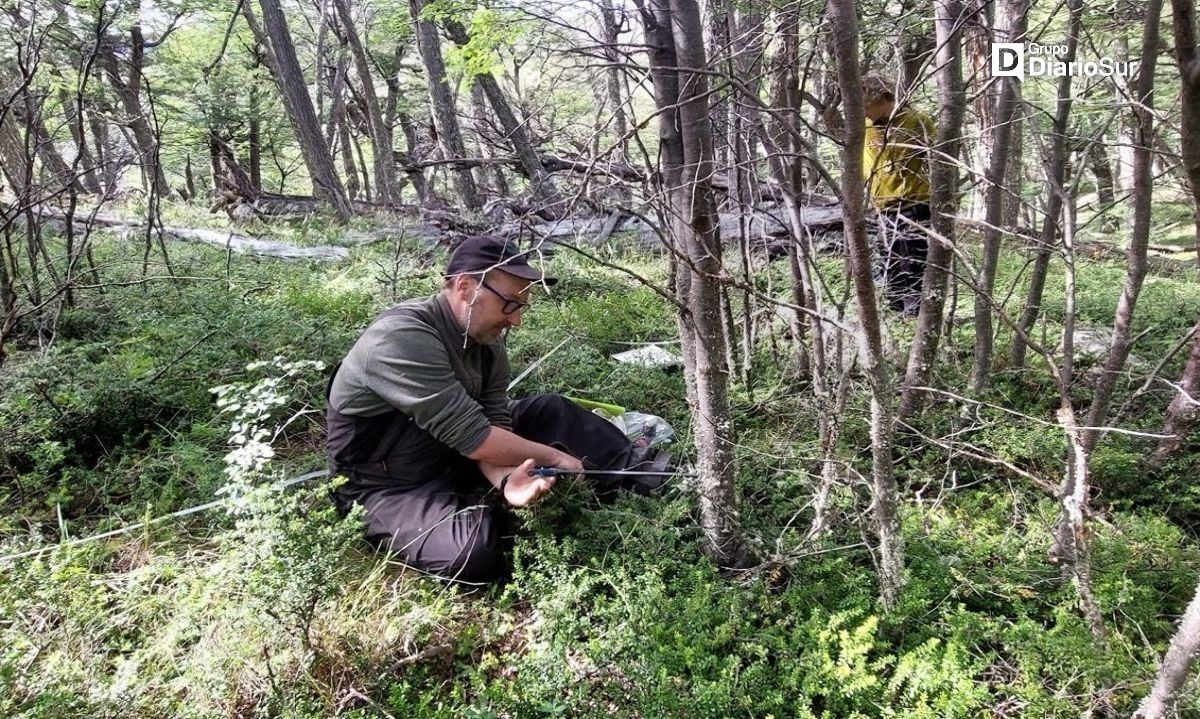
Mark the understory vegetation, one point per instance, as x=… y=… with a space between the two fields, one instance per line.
x=269 y=604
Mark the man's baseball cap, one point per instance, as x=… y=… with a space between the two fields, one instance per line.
x=480 y=253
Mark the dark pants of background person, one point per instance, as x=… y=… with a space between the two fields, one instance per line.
x=902 y=250
x=432 y=506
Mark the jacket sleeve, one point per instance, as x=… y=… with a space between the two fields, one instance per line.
x=495 y=386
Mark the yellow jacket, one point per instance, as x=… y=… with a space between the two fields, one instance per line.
x=896 y=159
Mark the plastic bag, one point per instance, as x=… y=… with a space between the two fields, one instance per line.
x=645 y=430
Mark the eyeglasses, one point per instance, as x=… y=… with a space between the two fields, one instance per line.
x=510 y=305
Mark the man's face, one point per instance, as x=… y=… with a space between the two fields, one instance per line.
x=488 y=301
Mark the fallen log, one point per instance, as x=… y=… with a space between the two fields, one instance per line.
x=225 y=239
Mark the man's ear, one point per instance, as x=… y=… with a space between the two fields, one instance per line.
x=465 y=286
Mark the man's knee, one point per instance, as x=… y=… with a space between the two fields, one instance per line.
x=473 y=549
x=541 y=411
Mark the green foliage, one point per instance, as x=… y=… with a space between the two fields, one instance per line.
x=278 y=610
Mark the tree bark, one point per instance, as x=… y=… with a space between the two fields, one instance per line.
x=948 y=20
x=843 y=20
x=294 y=89
x=1182 y=412
x=549 y=203
x=1139 y=241
x=72 y=111
x=612 y=77
x=384 y=164
x=1175 y=664
x=1056 y=174
x=129 y=93
x=445 y=115
x=1002 y=132
x=678 y=64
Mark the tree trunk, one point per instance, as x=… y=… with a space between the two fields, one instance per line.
x=1175 y=665
x=549 y=203
x=1135 y=263
x=298 y=105
x=695 y=203
x=678 y=62
x=1182 y=412
x=445 y=115
x=254 y=140
x=1056 y=174
x=1001 y=146
x=108 y=168
x=1127 y=122
x=943 y=176
x=843 y=20
x=129 y=93
x=490 y=175
x=384 y=163
x=72 y=110
x=612 y=76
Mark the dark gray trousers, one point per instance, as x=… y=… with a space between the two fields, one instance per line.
x=436 y=511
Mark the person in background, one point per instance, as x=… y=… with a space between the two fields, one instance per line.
x=420 y=423
x=896 y=168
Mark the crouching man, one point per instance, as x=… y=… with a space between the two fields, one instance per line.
x=420 y=423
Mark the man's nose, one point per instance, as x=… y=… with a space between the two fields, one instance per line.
x=514 y=318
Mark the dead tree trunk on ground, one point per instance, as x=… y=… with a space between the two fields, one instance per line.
x=843 y=19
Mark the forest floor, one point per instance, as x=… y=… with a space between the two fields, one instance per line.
x=271 y=605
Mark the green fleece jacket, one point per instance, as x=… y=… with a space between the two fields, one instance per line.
x=419 y=361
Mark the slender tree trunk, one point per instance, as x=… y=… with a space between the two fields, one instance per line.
x=189 y=178
x=1127 y=123
x=381 y=135
x=1001 y=145
x=678 y=63
x=550 y=204
x=254 y=139
x=108 y=168
x=696 y=204
x=843 y=20
x=494 y=174
x=1071 y=546
x=612 y=76
x=1182 y=412
x=1175 y=665
x=129 y=93
x=949 y=20
x=1135 y=262
x=74 y=119
x=294 y=89
x=1056 y=174
x=445 y=116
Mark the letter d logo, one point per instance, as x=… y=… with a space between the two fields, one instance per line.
x=1008 y=60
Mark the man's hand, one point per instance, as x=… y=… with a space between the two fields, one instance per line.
x=567 y=463
x=523 y=490
x=520 y=489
